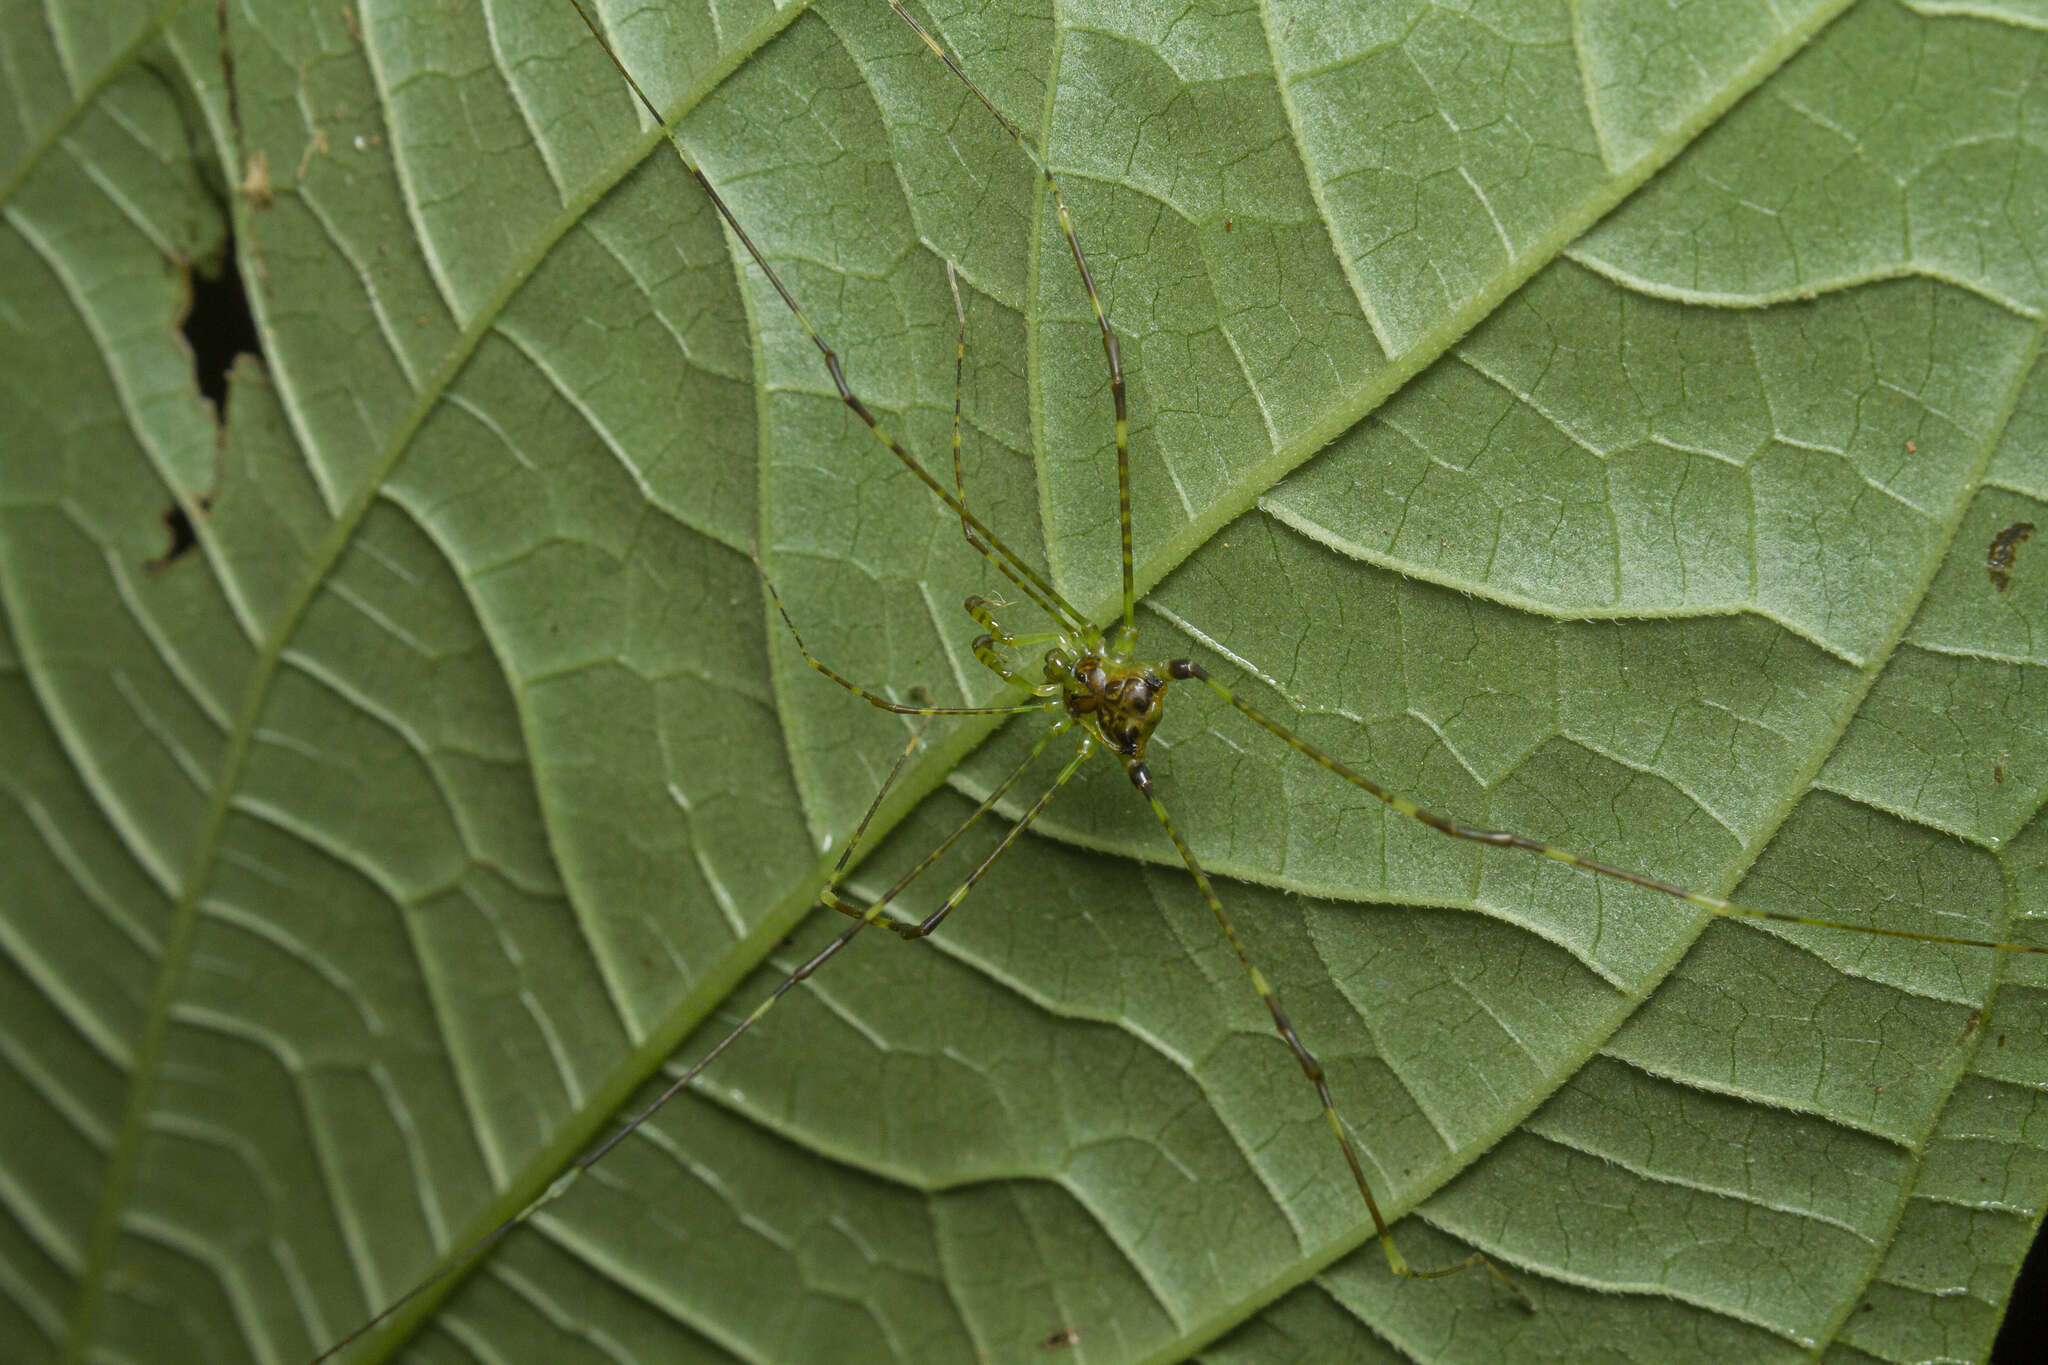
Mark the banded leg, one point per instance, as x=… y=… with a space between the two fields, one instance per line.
x=987 y=647
x=959 y=477
x=1028 y=580
x=937 y=917
x=481 y=1247
x=829 y=896
x=1023 y=822
x=984 y=647
x=959 y=386
x=874 y=914
x=1310 y=1067
x=1110 y=349
x=876 y=699
x=1504 y=838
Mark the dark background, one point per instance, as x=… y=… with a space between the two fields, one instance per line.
x=2024 y=1338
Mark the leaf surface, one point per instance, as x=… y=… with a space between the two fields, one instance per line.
x=1586 y=427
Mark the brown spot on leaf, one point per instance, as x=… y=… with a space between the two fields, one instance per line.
x=2005 y=548
x=255 y=186
x=316 y=145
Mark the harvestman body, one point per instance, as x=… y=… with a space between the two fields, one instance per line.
x=1101 y=693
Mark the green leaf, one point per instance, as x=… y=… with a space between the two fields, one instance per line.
x=1588 y=422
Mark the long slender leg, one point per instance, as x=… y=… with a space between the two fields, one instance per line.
x=482 y=1245
x=936 y=917
x=959 y=387
x=1110 y=350
x=860 y=828
x=1503 y=838
x=830 y=894
x=1310 y=1067
x=874 y=914
x=959 y=473
x=1028 y=580
x=876 y=699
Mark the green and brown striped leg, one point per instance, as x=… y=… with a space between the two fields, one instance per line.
x=1110 y=350
x=830 y=896
x=975 y=605
x=933 y=920
x=988 y=648
x=481 y=1246
x=1310 y=1067
x=1502 y=838
x=874 y=914
x=874 y=698
x=1028 y=580
x=959 y=386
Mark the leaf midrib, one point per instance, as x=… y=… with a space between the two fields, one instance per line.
x=326 y=554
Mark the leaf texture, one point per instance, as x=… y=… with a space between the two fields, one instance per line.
x=1588 y=421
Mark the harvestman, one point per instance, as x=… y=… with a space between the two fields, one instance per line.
x=1101 y=694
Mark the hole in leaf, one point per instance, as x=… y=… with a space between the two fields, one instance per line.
x=218 y=325
x=178 y=526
